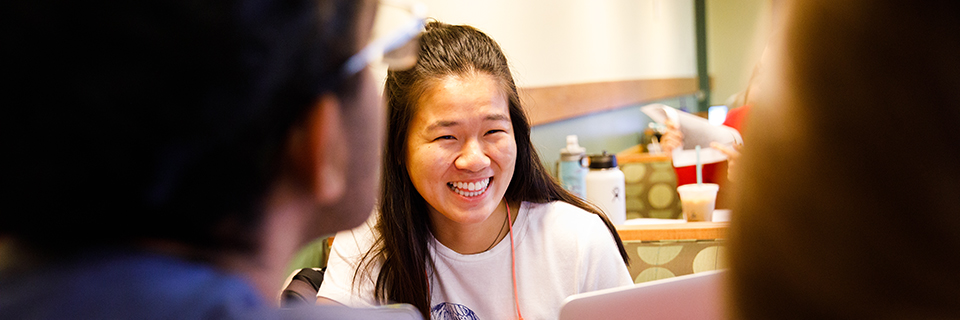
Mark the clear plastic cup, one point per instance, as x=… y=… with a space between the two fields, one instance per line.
x=698 y=201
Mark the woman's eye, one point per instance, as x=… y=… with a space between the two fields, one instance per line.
x=447 y=137
x=496 y=131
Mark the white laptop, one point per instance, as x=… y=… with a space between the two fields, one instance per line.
x=695 y=296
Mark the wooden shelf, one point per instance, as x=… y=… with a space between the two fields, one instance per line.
x=555 y=103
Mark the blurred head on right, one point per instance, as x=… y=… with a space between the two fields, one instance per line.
x=848 y=203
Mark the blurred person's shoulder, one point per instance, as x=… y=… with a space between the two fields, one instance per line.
x=129 y=285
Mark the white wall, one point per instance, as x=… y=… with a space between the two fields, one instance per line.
x=737 y=31
x=555 y=42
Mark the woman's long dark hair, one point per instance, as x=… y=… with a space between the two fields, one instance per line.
x=404 y=225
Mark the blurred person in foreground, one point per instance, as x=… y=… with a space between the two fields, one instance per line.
x=852 y=206
x=168 y=157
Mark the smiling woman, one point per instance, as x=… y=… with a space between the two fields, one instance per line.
x=460 y=177
x=461 y=153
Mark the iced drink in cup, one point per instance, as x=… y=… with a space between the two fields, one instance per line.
x=698 y=200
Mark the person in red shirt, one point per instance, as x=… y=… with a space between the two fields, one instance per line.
x=737 y=117
x=722 y=172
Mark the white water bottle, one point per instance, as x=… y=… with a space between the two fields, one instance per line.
x=606 y=187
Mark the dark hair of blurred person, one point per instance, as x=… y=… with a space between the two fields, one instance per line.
x=851 y=205
x=166 y=158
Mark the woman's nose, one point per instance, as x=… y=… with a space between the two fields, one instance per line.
x=472 y=158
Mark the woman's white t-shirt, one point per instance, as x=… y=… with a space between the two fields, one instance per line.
x=560 y=250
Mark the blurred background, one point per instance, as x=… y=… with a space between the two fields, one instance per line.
x=584 y=67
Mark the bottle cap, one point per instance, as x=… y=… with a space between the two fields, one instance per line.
x=603 y=161
x=573 y=151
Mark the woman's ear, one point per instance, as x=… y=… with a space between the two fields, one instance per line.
x=319 y=151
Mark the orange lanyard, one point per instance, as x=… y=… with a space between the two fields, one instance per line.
x=513 y=267
x=513 y=264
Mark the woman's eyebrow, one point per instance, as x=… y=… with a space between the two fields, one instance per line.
x=497 y=117
x=452 y=123
x=442 y=124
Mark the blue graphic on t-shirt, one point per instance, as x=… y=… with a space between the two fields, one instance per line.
x=452 y=311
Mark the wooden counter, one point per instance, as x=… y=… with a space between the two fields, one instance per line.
x=673 y=231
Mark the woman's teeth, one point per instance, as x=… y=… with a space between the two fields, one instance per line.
x=469 y=189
